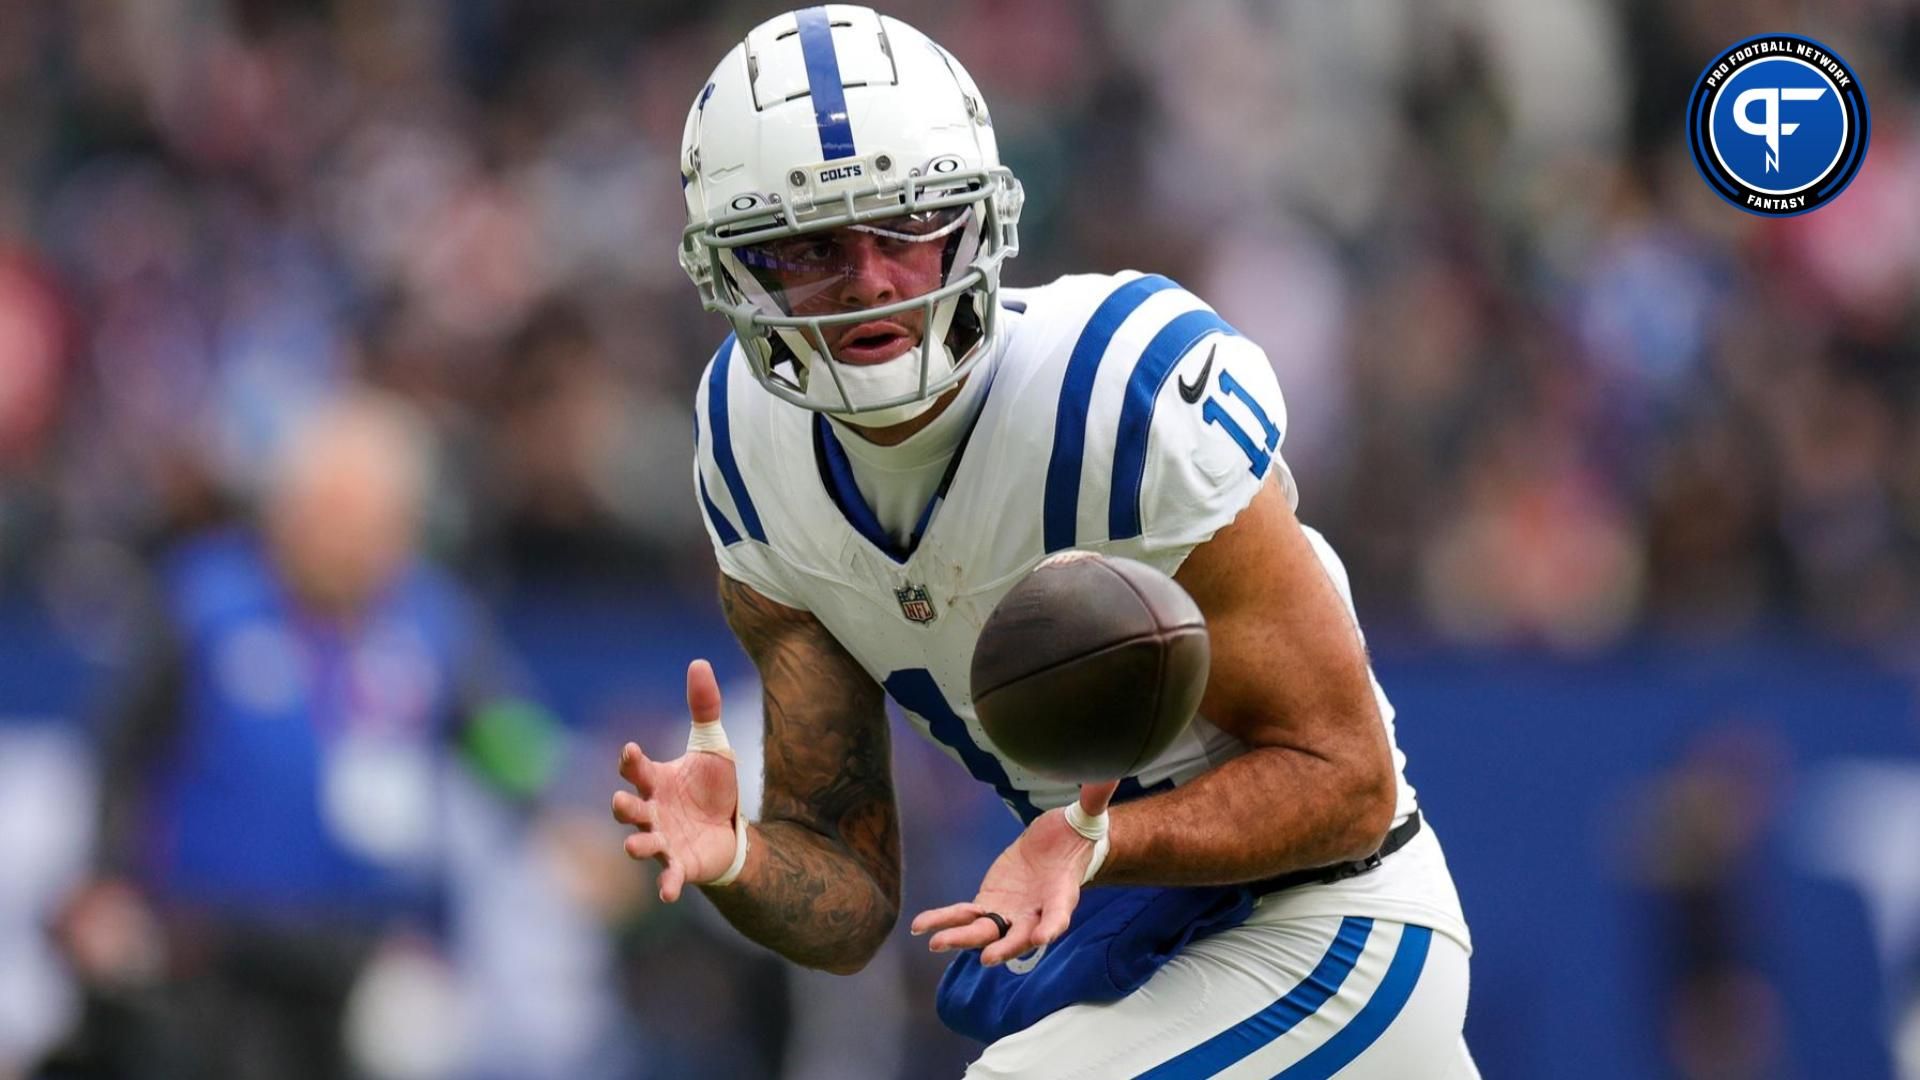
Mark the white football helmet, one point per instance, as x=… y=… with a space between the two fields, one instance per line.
x=831 y=137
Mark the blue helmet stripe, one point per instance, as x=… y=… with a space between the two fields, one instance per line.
x=1157 y=362
x=824 y=84
x=718 y=422
x=1061 y=509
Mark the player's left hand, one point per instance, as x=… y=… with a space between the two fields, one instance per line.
x=1034 y=885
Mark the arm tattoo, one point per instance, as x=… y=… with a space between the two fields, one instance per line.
x=826 y=890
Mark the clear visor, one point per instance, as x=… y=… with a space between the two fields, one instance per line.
x=854 y=267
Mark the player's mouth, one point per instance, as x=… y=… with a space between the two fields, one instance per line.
x=873 y=342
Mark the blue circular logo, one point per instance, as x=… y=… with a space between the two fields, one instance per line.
x=1778 y=125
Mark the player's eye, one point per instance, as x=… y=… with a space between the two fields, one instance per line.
x=799 y=253
x=814 y=252
x=831 y=251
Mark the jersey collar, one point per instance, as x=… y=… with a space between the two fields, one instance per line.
x=836 y=474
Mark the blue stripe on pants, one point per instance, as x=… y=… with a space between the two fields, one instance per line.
x=1256 y=1031
x=1379 y=1011
x=1261 y=1029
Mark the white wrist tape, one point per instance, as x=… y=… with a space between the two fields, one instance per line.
x=712 y=739
x=739 y=849
x=1095 y=829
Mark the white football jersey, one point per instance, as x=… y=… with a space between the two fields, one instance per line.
x=1124 y=417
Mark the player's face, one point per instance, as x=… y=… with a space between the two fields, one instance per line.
x=862 y=266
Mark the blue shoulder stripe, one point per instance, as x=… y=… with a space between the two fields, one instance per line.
x=1061 y=510
x=823 y=83
x=718 y=422
x=1157 y=362
x=729 y=535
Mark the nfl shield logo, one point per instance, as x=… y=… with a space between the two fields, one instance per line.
x=915 y=604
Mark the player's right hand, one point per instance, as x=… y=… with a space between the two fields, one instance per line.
x=683 y=810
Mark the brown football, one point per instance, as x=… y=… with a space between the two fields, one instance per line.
x=1089 y=667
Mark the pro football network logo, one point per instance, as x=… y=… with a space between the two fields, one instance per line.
x=915 y=603
x=1778 y=125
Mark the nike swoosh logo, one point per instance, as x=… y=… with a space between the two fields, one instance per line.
x=1190 y=392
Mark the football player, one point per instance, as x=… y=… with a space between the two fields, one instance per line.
x=886 y=443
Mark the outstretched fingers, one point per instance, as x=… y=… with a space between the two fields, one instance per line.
x=637 y=769
x=977 y=933
x=943 y=918
x=630 y=809
x=645 y=845
x=672 y=880
x=1019 y=940
x=956 y=926
x=968 y=926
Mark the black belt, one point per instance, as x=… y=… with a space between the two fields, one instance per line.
x=1321 y=875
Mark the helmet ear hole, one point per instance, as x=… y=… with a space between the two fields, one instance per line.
x=965 y=331
x=782 y=353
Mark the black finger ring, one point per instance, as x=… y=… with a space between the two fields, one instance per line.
x=999 y=920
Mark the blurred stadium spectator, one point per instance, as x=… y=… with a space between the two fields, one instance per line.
x=1524 y=333
x=275 y=780
x=1704 y=819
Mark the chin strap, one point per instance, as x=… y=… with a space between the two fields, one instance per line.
x=1096 y=828
x=871 y=383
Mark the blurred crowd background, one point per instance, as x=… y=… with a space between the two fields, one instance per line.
x=1551 y=398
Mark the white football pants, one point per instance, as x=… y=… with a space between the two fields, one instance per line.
x=1293 y=999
